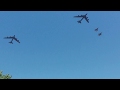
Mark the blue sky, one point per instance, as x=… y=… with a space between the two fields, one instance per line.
x=54 y=46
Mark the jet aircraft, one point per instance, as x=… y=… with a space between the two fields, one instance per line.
x=13 y=38
x=100 y=34
x=83 y=17
x=96 y=29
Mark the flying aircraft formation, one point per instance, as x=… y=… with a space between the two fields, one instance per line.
x=78 y=16
x=12 y=38
x=99 y=33
x=86 y=18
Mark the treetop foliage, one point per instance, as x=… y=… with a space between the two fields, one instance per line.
x=7 y=76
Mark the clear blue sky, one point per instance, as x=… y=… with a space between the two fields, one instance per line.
x=54 y=46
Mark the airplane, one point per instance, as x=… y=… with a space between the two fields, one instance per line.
x=13 y=38
x=100 y=34
x=83 y=16
x=96 y=29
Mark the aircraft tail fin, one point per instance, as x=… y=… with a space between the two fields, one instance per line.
x=79 y=21
x=11 y=42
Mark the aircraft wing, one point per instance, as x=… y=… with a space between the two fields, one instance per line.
x=87 y=19
x=17 y=40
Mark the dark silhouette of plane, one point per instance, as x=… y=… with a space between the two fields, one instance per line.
x=83 y=17
x=96 y=29
x=100 y=34
x=13 y=38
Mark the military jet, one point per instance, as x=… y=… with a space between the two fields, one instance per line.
x=83 y=17
x=96 y=29
x=13 y=38
x=100 y=34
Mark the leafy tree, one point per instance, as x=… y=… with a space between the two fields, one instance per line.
x=7 y=76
